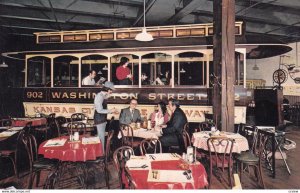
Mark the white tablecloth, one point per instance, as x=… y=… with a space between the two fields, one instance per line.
x=144 y=133
x=200 y=141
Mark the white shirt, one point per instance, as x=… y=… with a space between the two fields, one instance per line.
x=88 y=81
x=159 y=119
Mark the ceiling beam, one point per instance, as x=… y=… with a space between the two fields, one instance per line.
x=29 y=28
x=187 y=9
x=149 y=4
x=80 y=7
x=11 y=6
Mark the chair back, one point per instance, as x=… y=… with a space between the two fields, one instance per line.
x=127 y=135
x=78 y=117
x=5 y=122
x=121 y=156
x=59 y=121
x=150 y=145
x=186 y=139
x=220 y=151
x=220 y=155
x=76 y=127
x=108 y=153
x=31 y=149
x=206 y=126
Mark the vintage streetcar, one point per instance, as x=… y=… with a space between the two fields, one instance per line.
x=56 y=65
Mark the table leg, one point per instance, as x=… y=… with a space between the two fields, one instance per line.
x=273 y=156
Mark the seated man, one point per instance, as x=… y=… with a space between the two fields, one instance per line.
x=130 y=114
x=89 y=80
x=172 y=133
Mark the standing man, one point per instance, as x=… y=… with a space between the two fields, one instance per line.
x=130 y=114
x=89 y=80
x=123 y=73
x=101 y=111
x=172 y=133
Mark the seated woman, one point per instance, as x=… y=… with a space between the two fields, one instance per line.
x=160 y=116
x=164 y=79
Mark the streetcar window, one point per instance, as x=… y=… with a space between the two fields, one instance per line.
x=65 y=71
x=190 y=69
x=156 y=69
x=125 y=75
x=239 y=68
x=98 y=65
x=39 y=72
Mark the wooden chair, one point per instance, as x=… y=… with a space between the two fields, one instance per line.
x=78 y=117
x=76 y=127
x=150 y=146
x=38 y=164
x=220 y=156
x=128 y=137
x=102 y=162
x=13 y=152
x=48 y=128
x=254 y=157
x=5 y=122
x=120 y=157
x=184 y=141
x=59 y=121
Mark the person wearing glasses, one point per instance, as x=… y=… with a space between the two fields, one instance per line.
x=130 y=114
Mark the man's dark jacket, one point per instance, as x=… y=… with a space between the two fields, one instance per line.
x=172 y=134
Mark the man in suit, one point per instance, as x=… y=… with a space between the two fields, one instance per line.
x=172 y=133
x=130 y=114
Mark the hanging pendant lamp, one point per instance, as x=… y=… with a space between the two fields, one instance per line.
x=144 y=36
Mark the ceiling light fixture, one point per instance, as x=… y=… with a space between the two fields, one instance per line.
x=144 y=36
x=99 y=72
x=3 y=65
x=182 y=70
x=24 y=70
x=255 y=67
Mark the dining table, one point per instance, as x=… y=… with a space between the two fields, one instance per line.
x=36 y=121
x=166 y=171
x=199 y=140
x=72 y=153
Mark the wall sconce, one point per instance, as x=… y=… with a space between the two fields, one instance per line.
x=105 y=68
x=182 y=71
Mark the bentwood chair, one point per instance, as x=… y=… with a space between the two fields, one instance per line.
x=76 y=127
x=13 y=152
x=150 y=146
x=38 y=164
x=254 y=157
x=48 y=128
x=78 y=117
x=128 y=137
x=220 y=156
x=59 y=121
x=5 y=122
x=102 y=162
x=121 y=156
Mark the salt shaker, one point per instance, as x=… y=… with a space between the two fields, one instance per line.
x=190 y=154
x=184 y=156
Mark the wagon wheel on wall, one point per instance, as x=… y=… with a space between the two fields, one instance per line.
x=279 y=76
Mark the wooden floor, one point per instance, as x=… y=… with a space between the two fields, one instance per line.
x=282 y=181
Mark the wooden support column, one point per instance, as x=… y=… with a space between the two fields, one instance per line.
x=217 y=61
x=227 y=75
